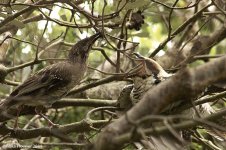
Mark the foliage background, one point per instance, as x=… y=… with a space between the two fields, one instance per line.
x=51 y=37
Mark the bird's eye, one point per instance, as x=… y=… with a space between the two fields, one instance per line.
x=144 y=76
x=157 y=81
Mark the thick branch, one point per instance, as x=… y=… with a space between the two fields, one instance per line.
x=182 y=125
x=27 y=110
x=182 y=86
x=82 y=126
x=84 y=102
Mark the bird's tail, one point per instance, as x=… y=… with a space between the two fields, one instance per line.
x=5 y=104
x=162 y=142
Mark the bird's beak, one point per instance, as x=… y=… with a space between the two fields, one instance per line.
x=93 y=38
x=138 y=55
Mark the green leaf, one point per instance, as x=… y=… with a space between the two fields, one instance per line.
x=63 y=17
x=141 y=34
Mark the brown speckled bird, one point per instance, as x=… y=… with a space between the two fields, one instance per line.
x=53 y=82
x=150 y=74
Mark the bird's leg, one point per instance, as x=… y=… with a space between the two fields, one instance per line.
x=17 y=116
x=38 y=110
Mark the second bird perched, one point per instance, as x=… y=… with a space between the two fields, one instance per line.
x=53 y=82
x=147 y=78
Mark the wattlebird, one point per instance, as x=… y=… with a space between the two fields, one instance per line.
x=150 y=74
x=147 y=77
x=52 y=82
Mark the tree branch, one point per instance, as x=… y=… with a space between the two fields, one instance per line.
x=185 y=84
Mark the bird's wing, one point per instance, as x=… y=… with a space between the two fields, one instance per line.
x=50 y=78
x=124 y=100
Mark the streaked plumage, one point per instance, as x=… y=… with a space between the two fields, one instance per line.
x=150 y=75
x=53 y=82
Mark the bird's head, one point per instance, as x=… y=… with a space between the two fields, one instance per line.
x=150 y=67
x=80 y=51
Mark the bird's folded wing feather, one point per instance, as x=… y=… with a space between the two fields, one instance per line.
x=50 y=78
